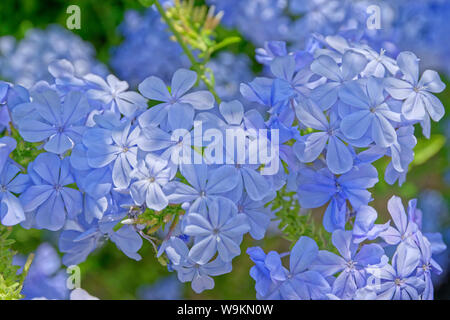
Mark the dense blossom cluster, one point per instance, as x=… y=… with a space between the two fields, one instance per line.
x=146 y=39
x=26 y=62
x=363 y=272
x=417 y=26
x=110 y=155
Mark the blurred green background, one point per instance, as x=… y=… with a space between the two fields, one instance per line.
x=108 y=273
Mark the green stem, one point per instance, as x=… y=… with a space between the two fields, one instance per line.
x=197 y=66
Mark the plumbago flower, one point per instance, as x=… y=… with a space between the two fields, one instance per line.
x=316 y=188
x=12 y=183
x=188 y=270
x=60 y=125
x=361 y=271
x=418 y=101
x=164 y=114
x=206 y=185
x=273 y=281
x=48 y=201
x=151 y=174
x=219 y=231
x=348 y=119
x=113 y=95
x=116 y=146
x=25 y=62
x=351 y=265
x=80 y=238
x=114 y=164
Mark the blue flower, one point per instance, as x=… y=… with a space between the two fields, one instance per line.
x=273 y=281
x=373 y=116
x=219 y=230
x=353 y=64
x=286 y=69
x=402 y=155
x=258 y=216
x=267 y=272
x=405 y=227
x=316 y=188
x=301 y=283
x=48 y=198
x=113 y=94
x=427 y=265
x=165 y=114
x=96 y=185
x=80 y=238
x=11 y=183
x=206 y=184
x=364 y=227
x=45 y=278
x=338 y=156
x=151 y=175
x=7 y=145
x=399 y=280
x=27 y=61
x=175 y=146
x=418 y=102
x=188 y=270
x=117 y=146
x=270 y=50
x=351 y=264
x=59 y=125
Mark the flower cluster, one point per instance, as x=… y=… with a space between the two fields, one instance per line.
x=266 y=16
x=145 y=49
x=107 y=158
x=356 y=271
x=173 y=166
x=418 y=26
x=25 y=62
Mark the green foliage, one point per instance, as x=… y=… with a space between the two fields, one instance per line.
x=10 y=282
x=155 y=220
x=294 y=225
x=426 y=149
x=193 y=26
x=99 y=19
x=146 y=3
x=25 y=152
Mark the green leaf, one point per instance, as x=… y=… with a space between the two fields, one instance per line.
x=294 y=225
x=225 y=42
x=426 y=149
x=10 y=282
x=147 y=3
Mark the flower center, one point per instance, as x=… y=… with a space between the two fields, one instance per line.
x=338 y=187
x=398 y=282
x=151 y=179
x=351 y=265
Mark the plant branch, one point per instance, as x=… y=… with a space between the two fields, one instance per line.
x=197 y=66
